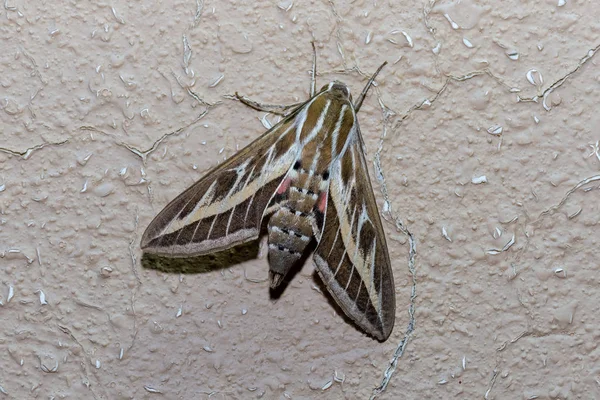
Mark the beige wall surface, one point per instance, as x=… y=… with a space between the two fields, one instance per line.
x=482 y=136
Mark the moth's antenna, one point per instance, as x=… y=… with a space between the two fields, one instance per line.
x=362 y=96
x=313 y=79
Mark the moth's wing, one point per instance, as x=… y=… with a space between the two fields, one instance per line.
x=226 y=206
x=352 y=256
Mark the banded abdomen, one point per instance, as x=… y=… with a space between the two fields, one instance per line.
x=292 y=227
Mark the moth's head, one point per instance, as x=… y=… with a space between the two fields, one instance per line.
x=338 y=89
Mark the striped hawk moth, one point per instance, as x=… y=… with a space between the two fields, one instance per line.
x=307 y=178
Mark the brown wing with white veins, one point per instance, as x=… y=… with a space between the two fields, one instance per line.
x=226 y=206
x=352 y=256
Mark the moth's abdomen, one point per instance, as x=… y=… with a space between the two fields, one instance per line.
x=291 y=227
x=289 y=235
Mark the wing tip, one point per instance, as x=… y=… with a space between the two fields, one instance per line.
x=381 y=330
x=147 y=245
x=384 y=333
x=381 y=333
x=145 y=242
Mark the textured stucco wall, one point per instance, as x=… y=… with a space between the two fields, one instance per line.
x=109 y=110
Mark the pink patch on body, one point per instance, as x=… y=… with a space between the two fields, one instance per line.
x=322 y=202
x=284 y=186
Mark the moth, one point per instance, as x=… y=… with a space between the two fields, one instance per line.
x=307 y=178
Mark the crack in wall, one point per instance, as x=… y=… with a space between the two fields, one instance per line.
x=427 y=9
x=544 y=95
x=491 y=383
x=199 y=9
x=27 y=153
x=34 y=66
x=84 y=364
x=401 y=347
x=579 y=185
x=134 y=291
x=143 y=154
x=387 y=210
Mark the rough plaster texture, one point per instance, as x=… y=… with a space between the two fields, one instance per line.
x=105 y=116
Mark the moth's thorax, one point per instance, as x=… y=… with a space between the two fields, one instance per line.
x=327 y=125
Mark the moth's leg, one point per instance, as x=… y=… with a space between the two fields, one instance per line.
x=313 y=78
x=269 y=108
x=361 y=98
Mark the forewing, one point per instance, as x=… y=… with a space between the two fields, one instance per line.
x=352 y=256
x=226 y=206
